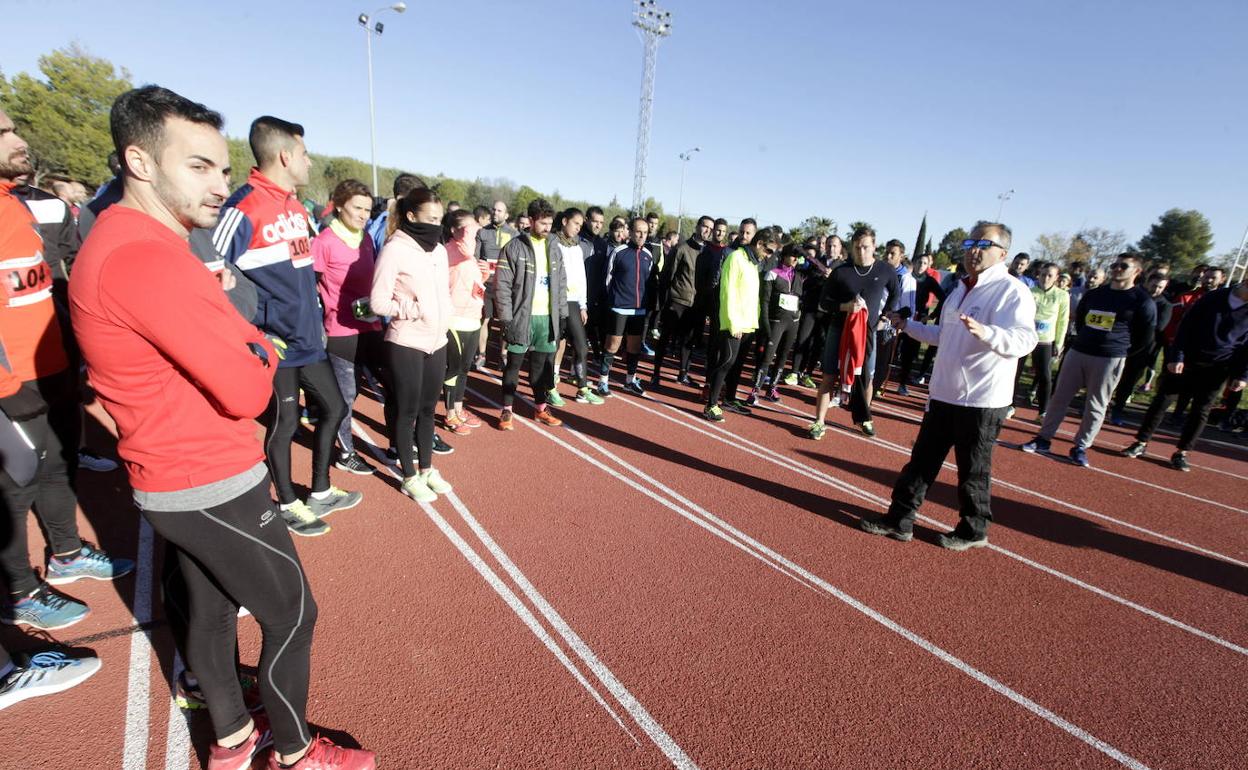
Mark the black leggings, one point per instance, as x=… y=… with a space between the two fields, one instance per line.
x=575 y=334
x=679 y=324
x=1042 y=371
x=541 y=376
x=779 y=342
x=240 y=554
x=349 y=355
x=809 y=346
x=417 y=383
x=729 y=349
x=461 y=347
x=282 y=420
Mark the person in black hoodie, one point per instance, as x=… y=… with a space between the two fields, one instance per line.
x=1210 y=347
x=682 y=316
x=780 y=307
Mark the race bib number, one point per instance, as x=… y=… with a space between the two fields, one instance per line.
x=1100 y=319
x=1044 y=326
x=545 y=281
x=788 y=302
x=26 y=281
x=301 y=252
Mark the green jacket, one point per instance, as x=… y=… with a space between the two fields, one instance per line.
x=1052 y=313
x=738 y=292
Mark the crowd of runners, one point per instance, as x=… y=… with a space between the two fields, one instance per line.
x=194 y=311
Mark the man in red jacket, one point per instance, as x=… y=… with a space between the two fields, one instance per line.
x=184 y=377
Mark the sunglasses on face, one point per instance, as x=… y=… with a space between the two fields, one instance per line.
x=981 y=244
x=1120 y=266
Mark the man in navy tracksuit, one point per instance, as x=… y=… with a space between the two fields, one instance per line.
x=632 y=284
x=263 y=230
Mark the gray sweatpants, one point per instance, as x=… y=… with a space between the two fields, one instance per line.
x=1100 y=376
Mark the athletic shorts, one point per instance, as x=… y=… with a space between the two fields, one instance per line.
x=626 y=325
x=832 y=352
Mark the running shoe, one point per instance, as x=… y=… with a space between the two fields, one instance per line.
x=604 y=390
x=817 y=430
x=440 y=447
x=479 y=366
x=505 y=421
x=752 y=399
x=353 y=463
x=416 y=488
x=902 y=390
x=468 y=418
x=686 y=380
x=634 y=386
x=336 y=500
x=880 y=526
x=239 y=757
x=772 y=394
x=89 y=563
x=1079 y=456
x=95 y=462
x=867 y=427
x=46 y=673
x=43 y=608
x=646 y=349
x=877 y=393
x=1178 y=461
x=790 y=378
x=554 y=399
x=713 y=413
x=1115 y=417
x=1009 y=411
x=587 y=396
x=736 y=406
x=921 y=381
x=835 y=403
x=434 y=481
x=455 y=425
x=300 y=520
x=955 y=542
x=190 y=697
x=546 y=418
x=324 y=755
x=1036 y=445
x=1136 y=449
x=806 y=381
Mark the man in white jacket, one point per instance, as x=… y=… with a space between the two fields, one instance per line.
x=987 y=324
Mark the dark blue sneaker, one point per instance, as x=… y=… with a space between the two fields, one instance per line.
x=44 y=608
x=1079 y=456
x=1036 y=445
x=90 y=563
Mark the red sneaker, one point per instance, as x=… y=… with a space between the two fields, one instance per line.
x=239 y=758
x=324 y=755
x=456 y=425
x=504 y=420
x=546 y=418
x=468 y=419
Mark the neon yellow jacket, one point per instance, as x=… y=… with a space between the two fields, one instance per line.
x=1052 y=314
x=738 y=293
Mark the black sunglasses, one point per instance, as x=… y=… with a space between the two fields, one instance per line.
x=983 y=243
x=1120 y=266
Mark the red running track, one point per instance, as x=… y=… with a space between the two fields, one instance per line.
x=640 y=588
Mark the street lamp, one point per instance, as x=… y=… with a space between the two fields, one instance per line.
x=377 y=29
x=1003 y=197
x=680 y=201
x=652 y=23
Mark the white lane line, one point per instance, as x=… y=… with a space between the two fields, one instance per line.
x=905 y=415
x=877 y=441
x=134 y=750
x=505 y=593
x=941 y=654
x=776 y=458
x=626 y=699
x=178 y=738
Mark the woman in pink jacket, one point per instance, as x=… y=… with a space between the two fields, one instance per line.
x=342 y=256
x=467 y=301
x=411 y=285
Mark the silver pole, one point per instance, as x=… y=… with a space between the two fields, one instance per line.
x=372 y=115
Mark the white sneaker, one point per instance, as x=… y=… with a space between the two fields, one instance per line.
x=835 y=403
x=415 y=488
x=434 y=481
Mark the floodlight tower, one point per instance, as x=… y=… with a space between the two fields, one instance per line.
x=375 y=29
x=652 y=23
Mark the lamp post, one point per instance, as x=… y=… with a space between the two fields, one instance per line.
x=377 y=29
x=652 y=23
x=1003 y=197
x=680 y=201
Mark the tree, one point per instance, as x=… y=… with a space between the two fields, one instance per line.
x=1182 y=238
x=816 y=226
x=524 y=196
x=928 y=249
x=451 y=190
x=855 y=226
x=950 y=248
x=64 y=117
x=918 y=242
x=1051 y=247
x=1102 y=245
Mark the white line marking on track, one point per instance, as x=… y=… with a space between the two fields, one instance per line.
x=134 y=750
x=178 y=737
x=909 y=417
x=774 y=457
x=877 y=441
x=941 y=654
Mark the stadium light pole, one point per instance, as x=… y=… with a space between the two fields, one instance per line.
x=377 y=29
x=1003 y=197
x=652 y=23
x=680 y=201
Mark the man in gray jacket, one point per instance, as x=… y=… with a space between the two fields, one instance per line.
x=530 y=302
x=681 y=318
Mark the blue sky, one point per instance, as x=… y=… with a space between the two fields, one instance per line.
x=1097 y=112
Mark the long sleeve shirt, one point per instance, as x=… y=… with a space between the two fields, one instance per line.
x=1214 y=330
x=1052 y=314
x=974 y=372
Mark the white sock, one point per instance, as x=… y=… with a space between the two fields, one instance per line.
x=321 y=495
